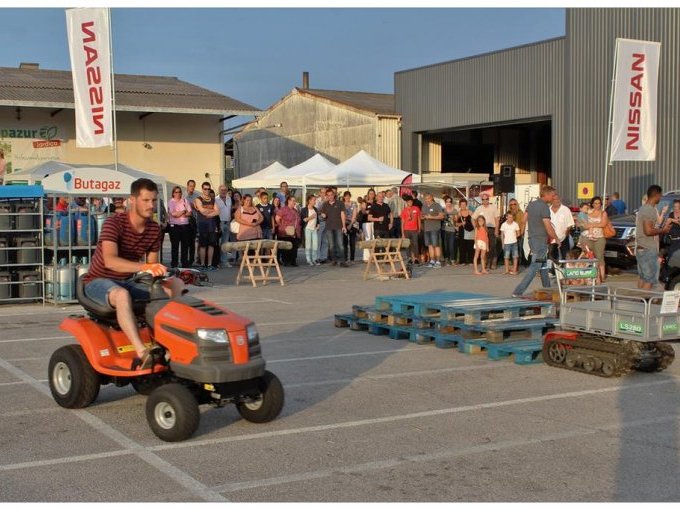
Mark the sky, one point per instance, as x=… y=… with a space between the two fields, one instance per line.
x=258 y=55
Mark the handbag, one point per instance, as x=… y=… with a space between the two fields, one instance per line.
x=235 y=226
x=467 y=225
x=290 y=230
x=608 y=230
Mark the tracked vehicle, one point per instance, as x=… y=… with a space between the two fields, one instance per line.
x=608 y=332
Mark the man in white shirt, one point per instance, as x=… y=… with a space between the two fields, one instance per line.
x=223 y=203
x=490 y=213
x=563 y=222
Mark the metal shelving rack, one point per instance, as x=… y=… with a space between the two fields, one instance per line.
x=12 y=269
x=67 y=261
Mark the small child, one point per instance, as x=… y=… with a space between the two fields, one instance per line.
x=582 y=223
x=481 y=245
x=509 y=233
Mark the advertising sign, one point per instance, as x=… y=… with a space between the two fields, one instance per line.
x=88 y=41
x=635 y=101
x=585 y=190
x=89 y=181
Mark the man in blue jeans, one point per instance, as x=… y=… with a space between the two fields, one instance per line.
x=540 y=231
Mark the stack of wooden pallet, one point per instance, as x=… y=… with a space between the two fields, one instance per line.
x=474 y=323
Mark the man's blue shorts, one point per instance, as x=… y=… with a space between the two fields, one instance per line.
x=98 y=290
x=432 y=237
x=648 y=265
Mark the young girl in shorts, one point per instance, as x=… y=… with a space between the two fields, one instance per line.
x=481 y=245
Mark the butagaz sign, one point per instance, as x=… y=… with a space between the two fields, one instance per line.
x=42 y=133
x=88 y=181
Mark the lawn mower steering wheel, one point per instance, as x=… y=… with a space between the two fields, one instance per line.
x=147 y=278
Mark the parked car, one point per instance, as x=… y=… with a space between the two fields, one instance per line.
x=620 y=249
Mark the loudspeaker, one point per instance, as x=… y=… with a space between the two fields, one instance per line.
x=507 y=179
x=497 y=178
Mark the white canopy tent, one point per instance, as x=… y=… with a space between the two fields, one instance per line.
x=37 y=174
x=360 y=170
x=316 y=165
x=269 y=177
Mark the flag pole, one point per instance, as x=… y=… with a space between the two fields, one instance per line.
x=113 y=94
x=607 y=158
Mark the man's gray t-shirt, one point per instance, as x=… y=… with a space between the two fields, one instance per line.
x=646 y=213
x=191 y=197
x=432 y=210
x=537 y=211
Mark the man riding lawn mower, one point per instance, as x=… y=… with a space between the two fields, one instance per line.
x=141 y=329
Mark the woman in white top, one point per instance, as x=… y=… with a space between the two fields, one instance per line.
x=310 y=220
x=597 y=219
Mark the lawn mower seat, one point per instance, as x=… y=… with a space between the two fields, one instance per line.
x=106 y=313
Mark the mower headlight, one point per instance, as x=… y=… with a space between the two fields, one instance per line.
x=251 y=331
x=219 y=336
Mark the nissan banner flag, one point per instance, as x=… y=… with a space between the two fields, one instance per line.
x=88 y=41
x=635 y=99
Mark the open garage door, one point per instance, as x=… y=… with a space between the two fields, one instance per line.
x=483 y=150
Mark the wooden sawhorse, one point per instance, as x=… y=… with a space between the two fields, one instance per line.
x=385 y=256
x=259 y=257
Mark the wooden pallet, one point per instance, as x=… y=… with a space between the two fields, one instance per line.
x=352 y=322
x=501 y=331
x=524 y=352
x=473 y=323
x=499 y=309
x=417 y=303
x=472 y=345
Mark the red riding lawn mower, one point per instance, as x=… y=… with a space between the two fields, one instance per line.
x=209 y=356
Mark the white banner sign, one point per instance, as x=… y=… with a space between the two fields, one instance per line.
x=88 y=41
x=89 y=181
x=635 y=101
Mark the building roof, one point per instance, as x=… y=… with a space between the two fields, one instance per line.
x=54 y=89
x=481 y=55
x=380 y=104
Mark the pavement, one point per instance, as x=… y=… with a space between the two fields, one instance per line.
x=366 y=418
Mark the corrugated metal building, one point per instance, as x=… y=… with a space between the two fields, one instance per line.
x=336 y=124
x=543 y=107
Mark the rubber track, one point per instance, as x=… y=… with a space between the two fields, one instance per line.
x=624 y=354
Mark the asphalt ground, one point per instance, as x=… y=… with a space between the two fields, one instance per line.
x=366 y=418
